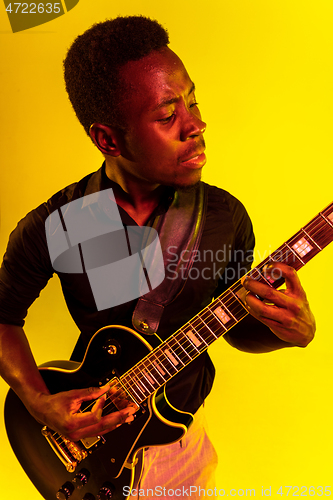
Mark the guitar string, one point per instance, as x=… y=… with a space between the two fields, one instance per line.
x=193 y=352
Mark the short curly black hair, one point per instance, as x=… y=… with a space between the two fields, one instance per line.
x=91 y=66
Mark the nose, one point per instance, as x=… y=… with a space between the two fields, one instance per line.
x=193 y=126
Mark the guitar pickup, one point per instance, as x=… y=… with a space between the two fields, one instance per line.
x=91 y=441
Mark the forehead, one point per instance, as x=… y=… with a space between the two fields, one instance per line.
x=153 y=79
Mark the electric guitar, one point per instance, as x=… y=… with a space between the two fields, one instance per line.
x=106 y=467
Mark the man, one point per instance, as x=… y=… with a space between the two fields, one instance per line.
x=134 y=97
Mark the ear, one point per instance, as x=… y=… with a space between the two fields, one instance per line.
x=106 y=139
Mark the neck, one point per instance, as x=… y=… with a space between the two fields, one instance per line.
x=137 y=197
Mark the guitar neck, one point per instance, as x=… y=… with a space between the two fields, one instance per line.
x=223 y=313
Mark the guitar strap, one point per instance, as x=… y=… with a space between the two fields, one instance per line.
x=179 y=230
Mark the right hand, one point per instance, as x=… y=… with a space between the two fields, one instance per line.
x=61 y=412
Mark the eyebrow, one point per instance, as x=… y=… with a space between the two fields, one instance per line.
x=167 y=102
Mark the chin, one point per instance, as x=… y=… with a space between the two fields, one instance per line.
x=187 y=184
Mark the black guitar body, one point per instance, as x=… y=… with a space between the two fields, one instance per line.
x=114 y=462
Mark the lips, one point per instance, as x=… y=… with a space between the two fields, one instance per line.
x=193 y=156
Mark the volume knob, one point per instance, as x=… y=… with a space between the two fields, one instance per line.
x=106 y=492
x=81 y=478
x=65 y=491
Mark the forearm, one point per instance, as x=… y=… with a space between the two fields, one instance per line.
x=17 y=365
x=61 y=411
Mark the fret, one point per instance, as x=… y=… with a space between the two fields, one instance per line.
x=160 y=365
x=147 y=368
x=223 y=314
x=176 y=351
x=282 y=254
x=140 y=383
x=269 y=280
x=173 y=357
x=318 y=228
x=313 y=241
x=140 y=386
x=303 y=247
x=214 y=322
x=149 y=383
x=156 y=374
x=206 y=333
x=328 y=220
x=126 y=380
x=211 y=320
x=149 y=379
x=293 y=253
x=136 y=396
x=321 y=229
x=167 y=363
x=195 y=324
x=192 y=343
x=257 y=274
x=238 y=308
x=137 y=378
x=184 y=351
x=207 y=326
x=142 y=370
x=160 y=370
x=328 y=214
x=193 y=339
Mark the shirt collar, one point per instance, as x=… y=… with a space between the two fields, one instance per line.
x=99 y=181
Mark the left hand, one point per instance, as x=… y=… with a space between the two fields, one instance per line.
x=285 y=312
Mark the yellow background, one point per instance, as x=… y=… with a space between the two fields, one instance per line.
x=263 y=71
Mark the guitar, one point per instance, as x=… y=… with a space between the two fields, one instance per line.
x=106 y=467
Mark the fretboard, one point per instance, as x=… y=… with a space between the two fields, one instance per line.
x=187 y=343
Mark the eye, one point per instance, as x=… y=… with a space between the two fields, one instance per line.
x=194 y=104
x=167 y=119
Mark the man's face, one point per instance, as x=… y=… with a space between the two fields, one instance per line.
x=163 y=142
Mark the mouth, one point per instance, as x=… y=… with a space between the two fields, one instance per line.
x=197 y=159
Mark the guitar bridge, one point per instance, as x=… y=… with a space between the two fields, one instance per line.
x=69 y=452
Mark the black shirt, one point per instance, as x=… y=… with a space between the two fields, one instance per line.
x=224 y=254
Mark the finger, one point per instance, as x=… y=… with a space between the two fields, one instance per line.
x=88 y=418
x=265 y=292
x=88 y=427
x=98 y=406
x=262 y=310
x=277 y=270
x=89 y=393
